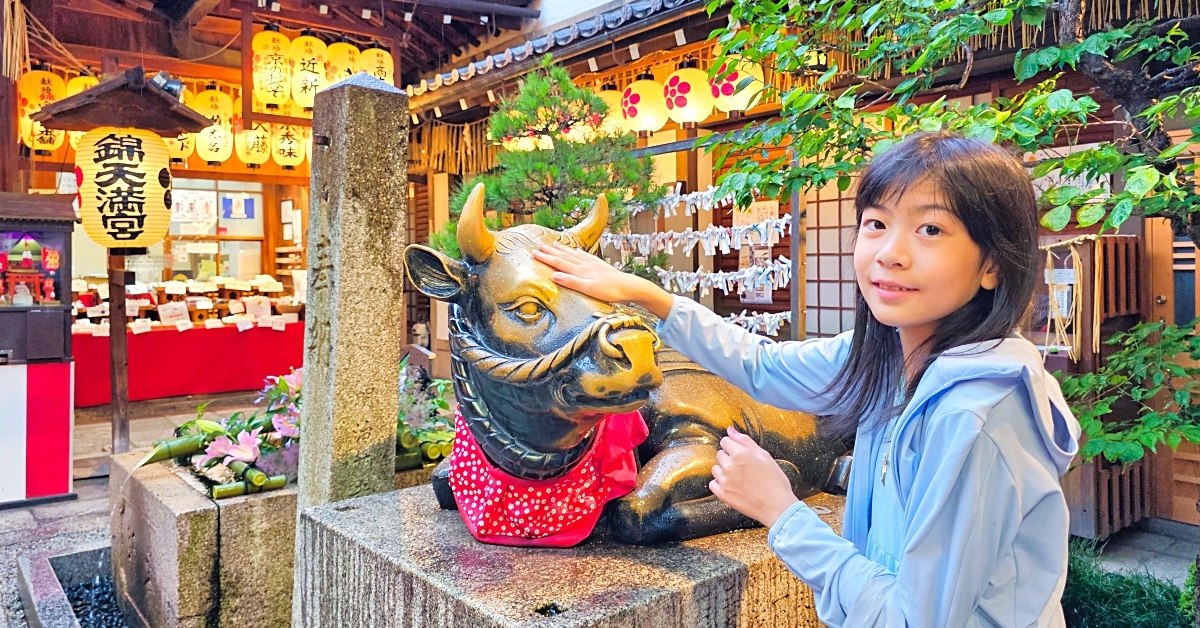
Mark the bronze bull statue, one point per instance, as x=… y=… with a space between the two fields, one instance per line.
x=536 y=366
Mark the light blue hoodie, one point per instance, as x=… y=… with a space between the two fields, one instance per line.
x=968 y=526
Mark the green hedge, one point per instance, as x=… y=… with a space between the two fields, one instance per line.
x=1096 y=598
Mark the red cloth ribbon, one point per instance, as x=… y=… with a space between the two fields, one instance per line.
x=560 y=512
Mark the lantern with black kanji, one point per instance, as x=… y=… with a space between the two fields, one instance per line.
x=308 y=68
x=252 y=143
x=215 y=144
x=272 y=71
x=124 y=182
x=74 y=86
x=36 y=89
x=183 y=145
x=378 y=63
x=344 y=61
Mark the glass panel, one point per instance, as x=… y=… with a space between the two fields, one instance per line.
x=810 y=321
x=30 y=269
x=810 y=293
x=831 y=321
x=827 y=215
x=241 y=260
x=239 y=186
x=827 y=268
x=193 y=260
x=193 y=212
x=848 y=213
x=193 y=184
x=847 y=239
x=241 y=214
x=830 y=294
x=810 y=269
x=847 y=266
x=148 y=268
x=847 y=320
x=848 y=294
x=827 y=240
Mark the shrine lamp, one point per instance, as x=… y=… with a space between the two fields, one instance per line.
x=378 y=63
x=614 y=120
x=271 y=69
x=122 y=166
x=738 y=90
x=687 y=95
x=308 y=68
x=214 y=144
x=36 y=89
x=643 y=105
x=344 y=61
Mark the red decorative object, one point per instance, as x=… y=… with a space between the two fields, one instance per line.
x=561 y=512
x=676 y=92
x=629 y=101
x=51 y=259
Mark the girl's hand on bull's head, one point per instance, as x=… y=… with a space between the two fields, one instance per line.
x=594 y=277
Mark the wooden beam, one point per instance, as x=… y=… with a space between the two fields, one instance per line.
x=472 y=40
x=88 y=54
x=436 y=47
x=483 y=8
x=198 y=11
x=451 y=45
x=331 y=23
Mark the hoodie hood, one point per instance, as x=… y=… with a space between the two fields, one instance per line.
x=1011 y=358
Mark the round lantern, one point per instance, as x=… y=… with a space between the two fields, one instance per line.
x=272 y=69
x=728 y=97
x=287 y=145
x=344 y=61
x=643 y=105
x=614 y=121
x=215 y=144
x=687 y=95
x=378 y=63
x=124 y=182
x=36 y=89
x=252 y=145
x=180 y=147
x=308 y=68
x=75 y=86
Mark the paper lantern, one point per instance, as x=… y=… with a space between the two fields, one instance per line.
x=378 y=63
x=36 y=89
x=725 y=91
x=287 y=145
x=687 y=94
x=643 y=105
x=614 y=120
x=272 y=68
x=344 y=62
x=180 y=147
x=308 y=68
x=251 y=145
x=74 y=86
x=124 y=182
x=215 y=144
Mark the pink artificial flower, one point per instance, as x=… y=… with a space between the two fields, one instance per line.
x=295 y=379
x=246 y=449
x=287 y=425
x=221 y=446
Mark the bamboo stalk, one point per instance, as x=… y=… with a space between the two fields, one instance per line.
x=248 y=473
x=174 y=448
x=234 y=489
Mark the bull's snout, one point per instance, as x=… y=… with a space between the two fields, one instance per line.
x=630 y=366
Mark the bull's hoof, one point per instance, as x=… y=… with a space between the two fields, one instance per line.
x=628 y=522
x=441 y=486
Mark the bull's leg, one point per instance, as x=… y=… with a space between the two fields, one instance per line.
x=672 y=501
x=441 y=486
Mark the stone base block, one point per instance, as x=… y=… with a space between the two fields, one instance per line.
x=183 y=559
x=395 y=559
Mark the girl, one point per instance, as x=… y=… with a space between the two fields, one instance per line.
x=954 y=515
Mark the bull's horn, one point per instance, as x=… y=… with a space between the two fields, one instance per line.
x=474 y=240
x=592 y=227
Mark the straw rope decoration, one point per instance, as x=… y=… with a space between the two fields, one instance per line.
x=1057 y=321
x=14 y=48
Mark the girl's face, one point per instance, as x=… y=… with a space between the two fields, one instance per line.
x=916 y=263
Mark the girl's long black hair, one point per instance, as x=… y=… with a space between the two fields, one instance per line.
x=987 y=189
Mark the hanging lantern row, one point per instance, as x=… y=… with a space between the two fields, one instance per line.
x=686 y=97
x=302 y=67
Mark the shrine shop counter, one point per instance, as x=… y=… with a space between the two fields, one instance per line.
x=169 y=363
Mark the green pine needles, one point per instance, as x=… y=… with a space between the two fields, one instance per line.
x=554 y=162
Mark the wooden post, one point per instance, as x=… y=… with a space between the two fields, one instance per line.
x=118 y=354
x=798 y=324
x=9 y=175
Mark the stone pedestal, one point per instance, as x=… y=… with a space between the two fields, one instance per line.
x=182 y=559
x=395 y=559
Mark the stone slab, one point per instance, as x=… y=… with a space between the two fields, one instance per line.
x=164 y=540
x=395 y=559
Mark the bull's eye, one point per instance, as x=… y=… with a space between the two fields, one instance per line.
x=528 y=311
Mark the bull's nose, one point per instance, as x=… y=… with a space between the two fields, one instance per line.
x=635 y=345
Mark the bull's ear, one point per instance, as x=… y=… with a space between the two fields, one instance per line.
x=434 y=274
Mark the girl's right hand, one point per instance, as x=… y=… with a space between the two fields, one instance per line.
x=593 y=276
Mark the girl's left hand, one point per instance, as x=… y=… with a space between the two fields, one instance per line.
x=749 y=480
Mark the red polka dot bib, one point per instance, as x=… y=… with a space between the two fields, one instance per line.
x=560 y=512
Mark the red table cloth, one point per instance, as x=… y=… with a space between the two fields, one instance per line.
x=170 y=363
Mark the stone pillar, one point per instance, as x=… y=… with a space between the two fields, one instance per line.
x=356 y=237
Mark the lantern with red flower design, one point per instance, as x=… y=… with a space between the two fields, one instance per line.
x=740 y=88
x=643 y=105
x=685 y=96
